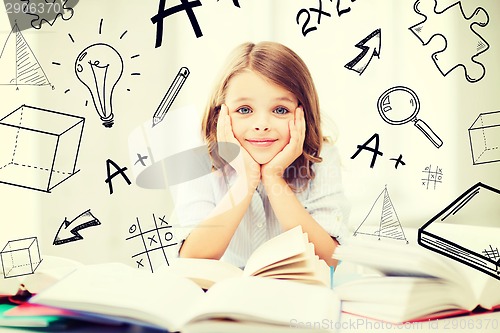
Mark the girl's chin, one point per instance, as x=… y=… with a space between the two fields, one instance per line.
x=263 y=158
x=262 y=162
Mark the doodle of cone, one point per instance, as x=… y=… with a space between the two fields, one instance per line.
x=99 y=67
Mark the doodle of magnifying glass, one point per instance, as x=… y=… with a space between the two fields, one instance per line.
x=400 y=105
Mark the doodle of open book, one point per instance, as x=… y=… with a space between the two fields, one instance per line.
x=382 y=220
x=458 y=233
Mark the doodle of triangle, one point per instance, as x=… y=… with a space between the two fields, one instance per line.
x=18 y=64
x=382 y=220
x=8 y=60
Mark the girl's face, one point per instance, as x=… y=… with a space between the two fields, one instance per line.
x=260 y=111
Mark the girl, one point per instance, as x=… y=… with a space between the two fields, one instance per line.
x=286 y=174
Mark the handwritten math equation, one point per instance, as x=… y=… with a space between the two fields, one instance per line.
x=304 y=16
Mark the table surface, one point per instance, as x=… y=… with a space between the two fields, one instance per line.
x=485 y=322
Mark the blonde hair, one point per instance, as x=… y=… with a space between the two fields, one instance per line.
x=285 y=68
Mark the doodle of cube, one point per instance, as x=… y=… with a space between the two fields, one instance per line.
x=20 y=257
x=39 y=147
x=484 y=135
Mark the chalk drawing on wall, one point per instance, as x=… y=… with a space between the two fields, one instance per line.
x=153 y=243
x=18 y=63
x=170 y=95
x=462 y=43
x=39 y=147
x=484 y=138
x=382 y=221
x=432 y=177
x=20 y=257
x=400 y=105
x=119 y=171
x=375 y=151
x=185 y=5
x=493 y=255
x=457 y=234
x=69 y=231
x=370 y=47
x=49 y=11
x=235 y=2
x=99 y=67
x=29 y=14
x=306 y=16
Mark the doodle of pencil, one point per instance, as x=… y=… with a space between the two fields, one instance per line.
x=170 y=95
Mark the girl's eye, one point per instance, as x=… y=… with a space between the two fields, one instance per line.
x=281 y=110
x=244 y=110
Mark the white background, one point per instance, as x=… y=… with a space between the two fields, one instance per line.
x=448 y=104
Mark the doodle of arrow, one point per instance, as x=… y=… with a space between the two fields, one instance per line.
x=69 y=233
x=371 y=42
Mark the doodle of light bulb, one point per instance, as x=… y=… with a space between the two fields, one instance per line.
x=99 y=67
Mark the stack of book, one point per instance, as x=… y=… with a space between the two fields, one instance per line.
x=451 y=268
x=406 y=282
x=283 y=283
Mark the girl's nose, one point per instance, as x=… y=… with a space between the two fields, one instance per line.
x=261 y=122
x=262 y=128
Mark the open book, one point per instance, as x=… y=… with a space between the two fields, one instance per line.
x=169 y=301
x=50 y=270
x=410 y=283
x=288 y=256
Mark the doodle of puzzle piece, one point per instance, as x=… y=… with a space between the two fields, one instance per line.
x=47 y=13
x=462 y=43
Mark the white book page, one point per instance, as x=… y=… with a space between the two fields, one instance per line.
x=268 y=300
x=119 y=290
x=396 y=258
x=490 y=295
x=303 y=258
x=50 y=270
x=298 y=268
x=285 y=245
x=485 y=288
x=285 y=262
x=205 y=272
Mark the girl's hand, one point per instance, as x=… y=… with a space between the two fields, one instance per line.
x=277 y=166
x=245 y=166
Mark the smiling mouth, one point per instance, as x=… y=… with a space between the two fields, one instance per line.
x=261 y=142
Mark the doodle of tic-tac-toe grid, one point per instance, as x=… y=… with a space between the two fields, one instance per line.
x=20 y=257
x=484 y=137
x=153 y=243
x=462 y=43
x=39 y=147
x=432 y=177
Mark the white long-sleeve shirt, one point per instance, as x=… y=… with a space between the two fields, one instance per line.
x=323 y=198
